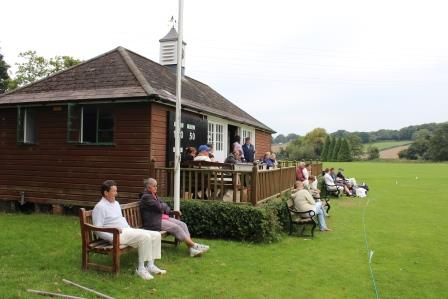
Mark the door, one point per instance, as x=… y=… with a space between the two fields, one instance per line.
x=217 y=136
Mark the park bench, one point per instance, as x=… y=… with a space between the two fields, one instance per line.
x=326 y=191
x=300 y=219
x=92 y=244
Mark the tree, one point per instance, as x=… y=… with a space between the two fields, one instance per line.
x=36 y=67
x=279 y=139
x=331 y=149
x=324 y=154
x=438 y=144
x=291 y=136
x=4 y=77
x=373 y=153
x=344 y=154
x=315 y=139
x=355 y=144
x=298 y=150
x=364 y=137
x=337 y=148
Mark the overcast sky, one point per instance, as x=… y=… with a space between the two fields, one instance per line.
x=294 y=65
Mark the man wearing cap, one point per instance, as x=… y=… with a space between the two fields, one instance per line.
x=203 y=154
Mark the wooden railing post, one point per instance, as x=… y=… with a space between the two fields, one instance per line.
x=152 y=168
x=254 y=183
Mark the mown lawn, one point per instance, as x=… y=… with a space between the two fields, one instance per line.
x=405 y=222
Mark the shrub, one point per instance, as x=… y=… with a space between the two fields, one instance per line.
x=373 y=153
x=278 y=206
x=216 y=219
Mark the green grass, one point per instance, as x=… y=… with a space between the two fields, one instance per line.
x=383 y=145
x=405 y=222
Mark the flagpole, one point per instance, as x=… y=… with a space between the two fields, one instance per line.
x=178 y=110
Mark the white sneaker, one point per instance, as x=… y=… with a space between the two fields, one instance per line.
x=194 y=252
x=144 y=274
x=155 y=270
x=201 y=247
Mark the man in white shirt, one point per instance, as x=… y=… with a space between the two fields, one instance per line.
x=331 y=186
x=107 y=213
x=203 y=154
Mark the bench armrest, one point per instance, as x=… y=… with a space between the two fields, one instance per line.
x=307 y=214
x=177 y=214
x=112 y=230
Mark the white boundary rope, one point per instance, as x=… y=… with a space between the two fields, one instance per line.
x=369 y=251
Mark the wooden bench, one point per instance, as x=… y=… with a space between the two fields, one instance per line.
x=326 y=192
x=92 y=244
x=304 y=219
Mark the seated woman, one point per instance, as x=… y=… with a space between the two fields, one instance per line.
x=190 y=154
x=311 y=186
x=155 y=217
x=267 y=160
x=273 y=158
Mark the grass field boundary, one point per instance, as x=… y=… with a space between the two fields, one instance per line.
x=368 y=250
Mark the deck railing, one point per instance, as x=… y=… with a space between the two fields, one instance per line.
x=316 y=165
x=252 y=185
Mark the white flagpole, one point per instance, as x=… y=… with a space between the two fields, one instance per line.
x=178 y=110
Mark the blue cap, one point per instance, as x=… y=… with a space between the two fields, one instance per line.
x=203 y=148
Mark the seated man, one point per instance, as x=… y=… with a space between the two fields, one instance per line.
x=107 y=213
x=203 y=154
x=331 y=186
x=233 y=158
x=155 y=217
x=303 y=201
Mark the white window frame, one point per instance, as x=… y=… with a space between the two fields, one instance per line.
x=28 y=126
x=214 y=137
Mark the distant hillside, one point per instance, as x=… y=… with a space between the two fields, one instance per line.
x=392 y=153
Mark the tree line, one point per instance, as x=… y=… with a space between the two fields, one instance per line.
x=428 y=145
x=318 y=144
x=406 y=133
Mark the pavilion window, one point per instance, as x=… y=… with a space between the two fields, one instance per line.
x=90 y=124
x=26 y=125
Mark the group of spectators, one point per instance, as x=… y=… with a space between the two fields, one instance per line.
x=306 y=195
x=155 y=215
x=239 y=153
x=338 y=182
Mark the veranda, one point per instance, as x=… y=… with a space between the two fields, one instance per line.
x=239 y=183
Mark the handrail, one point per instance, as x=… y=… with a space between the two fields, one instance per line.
x=252 y=186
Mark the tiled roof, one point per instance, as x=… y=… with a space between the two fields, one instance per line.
x=124 y=74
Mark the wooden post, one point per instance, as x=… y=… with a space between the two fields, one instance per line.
x=152 y=169
x=58 y=209
x=254 y=182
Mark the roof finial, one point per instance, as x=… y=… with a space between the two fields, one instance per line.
x=173 y=21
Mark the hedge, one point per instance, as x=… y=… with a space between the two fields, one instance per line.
x=217 y=219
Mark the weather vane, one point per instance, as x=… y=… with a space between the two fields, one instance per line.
x=172 y=21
